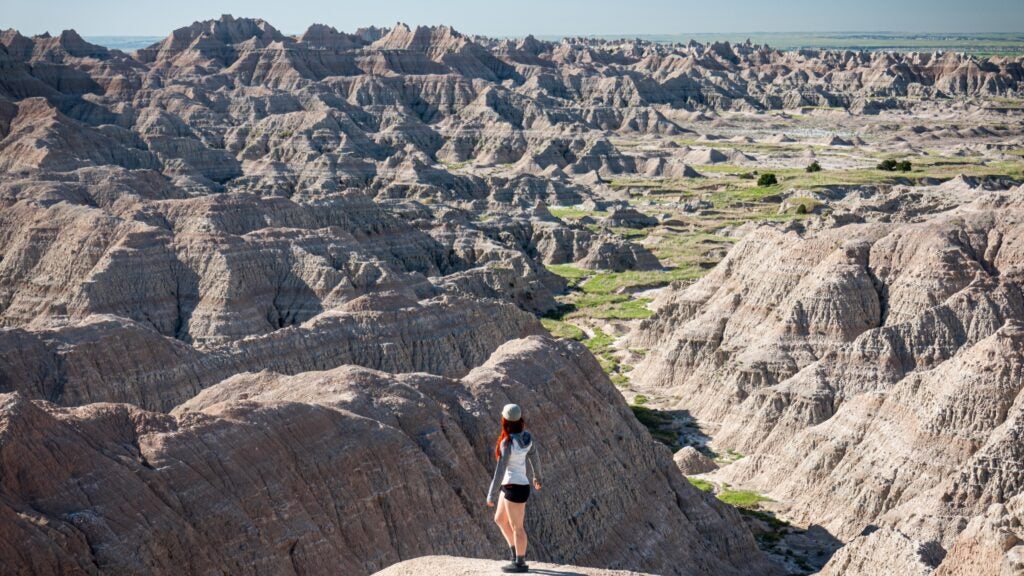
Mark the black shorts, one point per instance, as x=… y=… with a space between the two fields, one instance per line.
x=518 y=493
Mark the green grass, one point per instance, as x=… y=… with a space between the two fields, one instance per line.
x=625 y=310
x=620 y=380
x=637 y=182
x=722 y=169
x=560 y=329
x=701 y=484
x=727 y=457
x=746 y=502
x=600 y=345
x=600 y=342
x=613 y=282
x=747 y=499
x=628 y=233
x=687 y=249
x=930 y=167
x=586 y=301
x=744 y=195
x=573 y=275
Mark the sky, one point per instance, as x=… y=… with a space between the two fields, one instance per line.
x=521 y=17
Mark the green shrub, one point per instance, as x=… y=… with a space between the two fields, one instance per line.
x=891 y=165
x=813 y=167
x=767 y=179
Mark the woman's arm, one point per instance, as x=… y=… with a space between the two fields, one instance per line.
x=499 y=471
x=533 y=461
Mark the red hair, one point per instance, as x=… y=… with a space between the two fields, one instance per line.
x=507 y=428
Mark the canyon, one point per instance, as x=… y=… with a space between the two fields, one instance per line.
x=262 y=297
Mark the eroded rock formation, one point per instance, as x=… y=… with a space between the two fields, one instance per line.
x=351 y=470
x=872 y=374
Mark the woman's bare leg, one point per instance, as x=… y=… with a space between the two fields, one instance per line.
x=517 y=515
x=501 y=518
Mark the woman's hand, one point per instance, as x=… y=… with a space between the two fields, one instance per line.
x=490 y=504
x=536 y=484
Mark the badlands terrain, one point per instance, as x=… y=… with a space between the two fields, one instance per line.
x=262 y=297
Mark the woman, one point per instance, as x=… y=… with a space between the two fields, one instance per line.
x=514 y=450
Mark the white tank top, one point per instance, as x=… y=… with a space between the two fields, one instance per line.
x=515 y=472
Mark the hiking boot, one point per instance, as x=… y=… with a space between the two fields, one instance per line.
x=517 y=567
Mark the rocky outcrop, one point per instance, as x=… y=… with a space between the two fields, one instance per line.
x=871 y=373
x=884 y=552
x=265 y=472
x=433 y=565
x=41 y=138
x=691 y=461
x=629 y=218
x=111 y=359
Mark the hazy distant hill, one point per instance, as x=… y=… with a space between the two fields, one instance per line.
x=126 y=43
x=994 y=43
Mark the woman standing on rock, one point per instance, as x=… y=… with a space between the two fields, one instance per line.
x=514 y=450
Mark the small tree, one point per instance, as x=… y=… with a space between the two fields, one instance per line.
x=813 y=167
x=767 y=179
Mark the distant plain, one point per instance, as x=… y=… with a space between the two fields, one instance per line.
x=996 y=44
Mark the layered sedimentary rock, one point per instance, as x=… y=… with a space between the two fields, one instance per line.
x=211 y=246
x=105 y=358
x=872 y=374
x=349 y=471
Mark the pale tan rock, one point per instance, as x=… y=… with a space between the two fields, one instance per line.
x=884 y=553
x=453 y=566
x=690 y=461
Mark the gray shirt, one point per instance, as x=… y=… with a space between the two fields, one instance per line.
x=517 y=453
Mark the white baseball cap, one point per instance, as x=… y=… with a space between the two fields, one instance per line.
x=512 y=412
